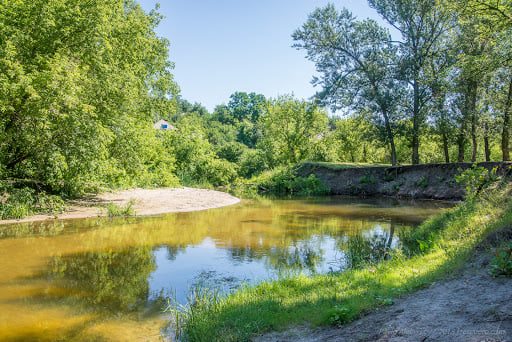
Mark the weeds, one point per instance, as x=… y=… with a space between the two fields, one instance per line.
x=501 y=264
x=422 y=182
x=116 y=210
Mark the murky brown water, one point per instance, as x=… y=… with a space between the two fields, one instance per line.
x=102 y=279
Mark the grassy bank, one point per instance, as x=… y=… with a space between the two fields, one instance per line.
x=437 y=248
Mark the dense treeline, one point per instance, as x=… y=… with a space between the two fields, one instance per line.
x=447 y=77
x=82 y=83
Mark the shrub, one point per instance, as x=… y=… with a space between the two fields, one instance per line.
x=284 y=181
x=116 y=210
x=19 y=203
x=252 y=162
x=501 y=264
x=475 y=179
x=231 y=151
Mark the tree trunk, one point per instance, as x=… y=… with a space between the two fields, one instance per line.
x=416 y=125
x=474 y=142
x=391 y=139
x=505 y=134
x=473 y=93
x=461 y=141
x=487 y=149
x=445 y=148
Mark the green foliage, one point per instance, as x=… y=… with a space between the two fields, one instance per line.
x=78 y=97
x=120 y=210
x=252 y=162
x=284 y=181
x=17 y=203
x=422 y=182
x=368 y=179
x=289 y=130
x=501 y=264
x=196 y=161
x=475 y=179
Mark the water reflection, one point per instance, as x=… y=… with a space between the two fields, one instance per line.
x=91 y=275
x=115 y=280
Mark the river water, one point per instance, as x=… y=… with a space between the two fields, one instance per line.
x=108 y=279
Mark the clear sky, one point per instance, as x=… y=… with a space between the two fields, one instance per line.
x=223 y=46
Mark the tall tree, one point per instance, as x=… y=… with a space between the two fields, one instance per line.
x=290 y=128
x=356 y=62
x=421 y=24
x=79 y=79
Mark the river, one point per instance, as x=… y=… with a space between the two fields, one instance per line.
x=108 y=279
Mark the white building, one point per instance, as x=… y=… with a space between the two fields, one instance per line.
x=163 y=125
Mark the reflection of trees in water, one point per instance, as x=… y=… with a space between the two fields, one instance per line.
x=245 y=254
x=173 y=251
x=362 y=249
x=117 y=280
x=300 y=256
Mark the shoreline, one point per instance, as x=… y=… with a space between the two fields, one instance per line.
x=147 y=202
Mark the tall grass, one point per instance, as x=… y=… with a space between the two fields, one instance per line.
x=437 y=248
x=117 y=210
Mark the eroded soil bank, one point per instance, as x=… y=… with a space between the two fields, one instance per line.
x=427 y=181
x=146 y=202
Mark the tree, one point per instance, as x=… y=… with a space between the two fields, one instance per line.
x=421 y=23
x=75 y=78
x=495 y=14
x=356 y=61
x=289 y=128
x=246 y=106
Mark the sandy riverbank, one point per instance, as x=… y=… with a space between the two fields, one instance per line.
x=147 y=202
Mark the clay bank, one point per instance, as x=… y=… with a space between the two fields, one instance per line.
x=427 y=181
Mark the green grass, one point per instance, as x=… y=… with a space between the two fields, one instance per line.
x=437 y=248
x=116 y=210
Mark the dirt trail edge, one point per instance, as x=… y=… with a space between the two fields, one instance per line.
x=470 y=306
x=147 y=202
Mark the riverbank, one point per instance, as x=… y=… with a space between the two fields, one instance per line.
x=145 y=202
x=425 y=181
x=471 y=305
x=433 y=252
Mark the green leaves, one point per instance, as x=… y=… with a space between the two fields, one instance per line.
x=290 y=128
x=80 y=85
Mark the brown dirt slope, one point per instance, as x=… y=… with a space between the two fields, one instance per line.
x=426 y=181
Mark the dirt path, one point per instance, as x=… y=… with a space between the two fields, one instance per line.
x=147 y=202
x=471 y=307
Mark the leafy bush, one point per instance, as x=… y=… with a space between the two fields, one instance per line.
x=501 y=264
x=284 y=181
x=252 y=162
x=231 y=151
x=196 y=161
x=19 y=203
x=475 y=179
x=116 y=210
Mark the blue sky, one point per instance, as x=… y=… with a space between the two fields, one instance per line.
x=223 y=46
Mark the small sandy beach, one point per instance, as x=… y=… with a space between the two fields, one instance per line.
x=147 y=202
